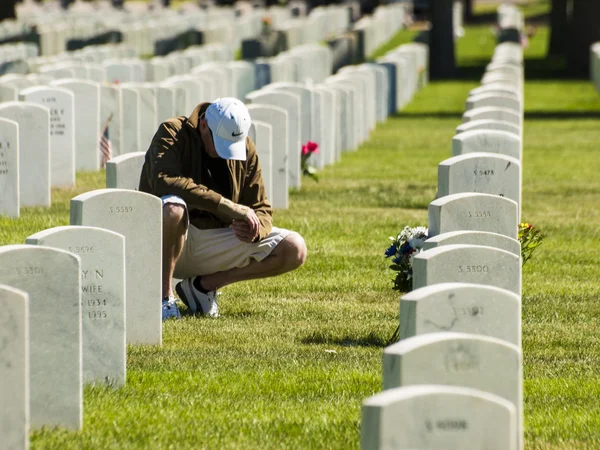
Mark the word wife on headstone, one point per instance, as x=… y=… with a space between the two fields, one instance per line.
x=138 y=217
x=102 y=254
x=14 y=368
x=51 y=277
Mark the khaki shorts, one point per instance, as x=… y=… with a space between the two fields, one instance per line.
x=209 y=251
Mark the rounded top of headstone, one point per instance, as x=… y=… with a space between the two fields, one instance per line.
x=440 y=288
x=424 y=340
x=479 y=155
x=394 y=395
x=472 y=195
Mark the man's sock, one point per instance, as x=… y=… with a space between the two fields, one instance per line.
x=198 y=285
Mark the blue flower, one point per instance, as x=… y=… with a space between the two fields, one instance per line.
x=398 y=259
x=406 y=248
x=390 y=251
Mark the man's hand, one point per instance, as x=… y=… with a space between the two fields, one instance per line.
x=247 y=230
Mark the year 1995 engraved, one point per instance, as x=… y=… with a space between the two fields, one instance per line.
x=97 y=315
x=473 y=269
x=479 y=214
x=120 y=209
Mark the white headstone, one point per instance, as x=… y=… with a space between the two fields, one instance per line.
x=458 y=359
x=494 y=113
x=51 y=278
x=34 y=150
x=464 y=308
x=9 y=168
x=138 y=217
x=474 y=238
x=493 y=100
x=473 y=212
x=130 y=141
x=474 y=264
x=291 y=103
x=487 y=173
x=488 y=141
x=123 y=172
x=87 y=121
x=61 y=104
x=262 y=135
x=436 y=417
x=14 y=368
x=488 y=124
x=102 y=254
x=278 y=119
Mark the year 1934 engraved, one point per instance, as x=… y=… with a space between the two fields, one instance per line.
x=96 y=302
x=120 y=209
x=479 y=214
x=473 y=269
x=30 y=270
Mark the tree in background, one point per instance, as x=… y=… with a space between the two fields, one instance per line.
x=574 y=28
x=442 y=63
x=7 y=9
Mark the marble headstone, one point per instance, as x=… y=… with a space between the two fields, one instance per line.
x=437 y=417
x=61 y=104
x=488 y=141
x=34 y=150
x=102 y=254
x=458 y=359
x=51 y=277
x=291 y=103
x=14 y=368
x=138 y=217
x=464 y=308
x=261 y=134
x=494 y=113
x=278 y=119
x=123 y=172
x=463 y=263
x=487 y=173
x=9 y=168
x=474 y=212
x=87 y=121
x=474 y=238
x=488 y=124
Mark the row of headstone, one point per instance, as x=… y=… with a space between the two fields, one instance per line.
x=72 y=298
x=321 y=23
x=287 y=115
x=460 y=326
x=142 y=28
x=595 y=65
x=379 y=27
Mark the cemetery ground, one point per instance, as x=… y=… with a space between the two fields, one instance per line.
x=292 y=358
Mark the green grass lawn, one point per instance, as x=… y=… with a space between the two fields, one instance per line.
x=292 y=358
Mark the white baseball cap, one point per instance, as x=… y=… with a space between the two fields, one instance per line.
x=229 y=121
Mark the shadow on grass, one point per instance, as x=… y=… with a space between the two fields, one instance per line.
x=370 y=340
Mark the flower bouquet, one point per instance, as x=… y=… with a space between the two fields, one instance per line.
x=530 y=238
x=308 y=169
x=404 y=246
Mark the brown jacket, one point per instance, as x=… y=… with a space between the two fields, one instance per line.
x=173 y=166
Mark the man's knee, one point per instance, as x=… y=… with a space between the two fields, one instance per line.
x=174 y=215
x=296 y=251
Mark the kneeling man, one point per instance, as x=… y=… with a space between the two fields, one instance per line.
x=217 y=220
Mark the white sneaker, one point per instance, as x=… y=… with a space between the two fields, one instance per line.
x=196 y=301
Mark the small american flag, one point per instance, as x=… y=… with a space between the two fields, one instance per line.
x=105 y=145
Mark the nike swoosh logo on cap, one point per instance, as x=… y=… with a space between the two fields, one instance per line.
x=236 y=135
